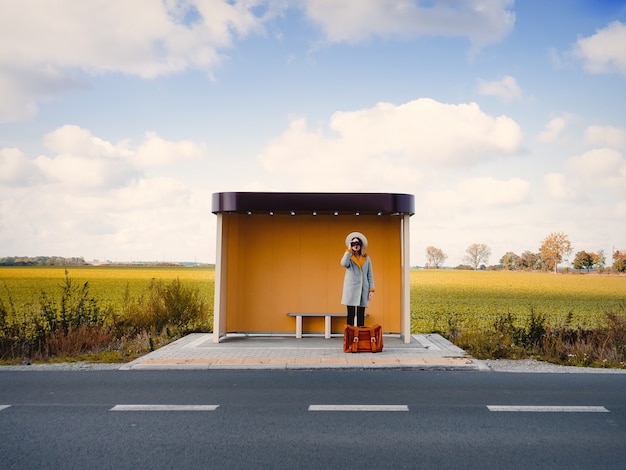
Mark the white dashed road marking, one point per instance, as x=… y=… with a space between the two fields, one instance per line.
x=503 y=408
x=358 y=408
x=164 y=408
x=550 y=409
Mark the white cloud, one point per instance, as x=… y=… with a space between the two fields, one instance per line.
x=94 y=195
x=16 y=169
x=558 y=188
x=553 y=129
x=482 y=21
x=481 y=193
x=141 y=37
x=156 y=151
x=22 y=87
x=44 y=44
x=51 y=47
x=390 y=143
x=605 y=51
x=80 y=161
x=598 y=163
x=603 y=169
x=74 y=171
x=609 y=136
x=505 y=89
x=592 y=177
x=154 y=215
x=149 y=219
x=74 y=140
x=489 y=191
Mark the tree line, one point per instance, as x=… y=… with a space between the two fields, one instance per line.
x=554 y=249
x=42 y=261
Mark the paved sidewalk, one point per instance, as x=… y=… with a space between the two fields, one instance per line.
x=196 y=351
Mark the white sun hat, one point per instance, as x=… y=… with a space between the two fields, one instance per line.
x=358 y=235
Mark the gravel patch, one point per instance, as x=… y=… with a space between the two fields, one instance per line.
x=535 y=366
x=63 y=366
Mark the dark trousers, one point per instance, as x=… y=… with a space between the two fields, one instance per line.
x=360 y=315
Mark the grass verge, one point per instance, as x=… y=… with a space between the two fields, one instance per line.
x=69 y=324
x=602 y=346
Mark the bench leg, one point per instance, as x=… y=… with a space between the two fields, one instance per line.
x=327 y=326
x=299 y=326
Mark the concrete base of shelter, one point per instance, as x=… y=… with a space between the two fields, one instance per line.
x=235 y=351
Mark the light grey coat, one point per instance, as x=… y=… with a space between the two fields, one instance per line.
x=358 y=282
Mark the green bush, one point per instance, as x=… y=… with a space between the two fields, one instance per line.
x=70 y=322
x=175 y=305
x=604 y=346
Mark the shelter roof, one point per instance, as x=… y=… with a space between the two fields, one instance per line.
x=313 y=203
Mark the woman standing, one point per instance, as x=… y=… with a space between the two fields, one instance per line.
x=358 y=282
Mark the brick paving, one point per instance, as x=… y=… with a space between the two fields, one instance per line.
x=197 y=351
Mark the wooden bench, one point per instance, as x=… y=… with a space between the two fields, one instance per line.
x=327 y=321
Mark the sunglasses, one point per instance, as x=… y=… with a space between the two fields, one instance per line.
x=355 y=243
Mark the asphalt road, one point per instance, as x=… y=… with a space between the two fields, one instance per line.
x=311 y=419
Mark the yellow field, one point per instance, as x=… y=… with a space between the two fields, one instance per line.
x=440 y=299
x=105 y=282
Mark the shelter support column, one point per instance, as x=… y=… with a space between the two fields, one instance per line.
x=219 y=301
x=405 y=308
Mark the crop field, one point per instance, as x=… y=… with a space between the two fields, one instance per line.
x=106 y=283
x=442 y=300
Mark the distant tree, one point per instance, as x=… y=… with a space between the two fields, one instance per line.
x=435 y=257
x=619 y=261
x=464 y=267
x=599 y=260
x=477 y=253
x=553 y=248
x=42 y=261
x=529 y=260
x=583 y=260
x=510 y=261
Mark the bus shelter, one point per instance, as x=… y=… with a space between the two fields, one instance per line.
x=279 y=253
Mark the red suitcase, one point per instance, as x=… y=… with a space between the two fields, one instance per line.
x=363 y=339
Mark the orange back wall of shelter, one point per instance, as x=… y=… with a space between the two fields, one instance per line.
x=281 y=263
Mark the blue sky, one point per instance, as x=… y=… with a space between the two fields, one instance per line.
x=118 y=120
